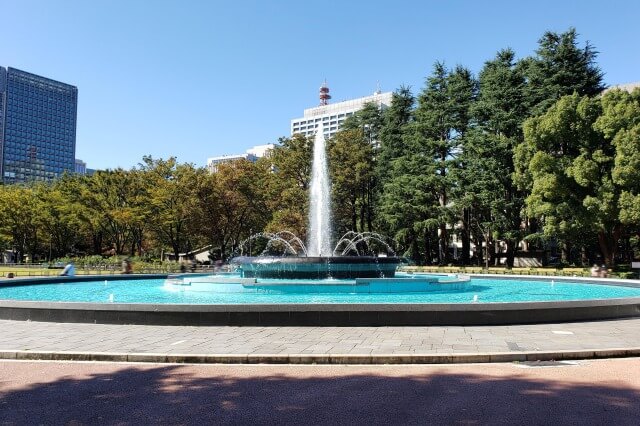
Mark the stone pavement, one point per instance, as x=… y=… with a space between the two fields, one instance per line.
x=40 y=340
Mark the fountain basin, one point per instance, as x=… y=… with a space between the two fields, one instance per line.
x=339 y=267
x=151 y=300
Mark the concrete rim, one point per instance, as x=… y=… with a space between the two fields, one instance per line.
x=320 y=314
x=329 y=359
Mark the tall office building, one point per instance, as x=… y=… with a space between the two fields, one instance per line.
x=37 y=127
x=333 y=115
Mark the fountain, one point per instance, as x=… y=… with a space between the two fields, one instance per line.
x=317 y=260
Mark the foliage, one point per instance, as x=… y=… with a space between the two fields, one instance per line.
x=530 y=151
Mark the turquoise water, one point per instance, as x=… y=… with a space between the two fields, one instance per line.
x=157 y=291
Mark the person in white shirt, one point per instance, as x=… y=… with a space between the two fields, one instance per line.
x=69 y=270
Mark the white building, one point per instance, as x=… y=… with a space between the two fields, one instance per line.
x=252 y=155
x=333 y=115
x=629 y=87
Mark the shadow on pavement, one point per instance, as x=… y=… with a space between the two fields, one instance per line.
x=177 y=394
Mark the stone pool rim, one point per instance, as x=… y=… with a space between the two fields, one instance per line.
x=380 y=314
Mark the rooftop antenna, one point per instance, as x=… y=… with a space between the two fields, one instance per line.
x=324 y=94
x=378 y=90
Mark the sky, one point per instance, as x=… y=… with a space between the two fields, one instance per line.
x=197 y=79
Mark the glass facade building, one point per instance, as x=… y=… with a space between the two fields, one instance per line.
x=37 y=127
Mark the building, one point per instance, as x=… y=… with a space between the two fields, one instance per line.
x=81 y=167
x=37 y=127
x=333 y=115
x=252 y=154
x=629 y=87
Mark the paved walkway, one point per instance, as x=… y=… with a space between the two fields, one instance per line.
x=39 y=340
x=594 y=392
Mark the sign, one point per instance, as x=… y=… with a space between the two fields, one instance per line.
x=635 y=265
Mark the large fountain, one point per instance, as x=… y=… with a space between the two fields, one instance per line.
x=351 y=282
x=319 y=259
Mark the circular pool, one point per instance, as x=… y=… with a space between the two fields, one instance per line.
x=408 y=299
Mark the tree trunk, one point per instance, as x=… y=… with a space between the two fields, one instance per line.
x=584 y=259
x=608 y=242
x=415 y=251
x=427 y=248
x=479 y=252
x=466 y=239
x=565 y=251
x=443 y=252
x=512 y=248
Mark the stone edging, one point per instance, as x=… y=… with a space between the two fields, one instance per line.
x=328 y=359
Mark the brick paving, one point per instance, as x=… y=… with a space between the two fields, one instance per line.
x=366 y=341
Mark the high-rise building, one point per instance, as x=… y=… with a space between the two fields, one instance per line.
x=331 y=116
x=37 y=127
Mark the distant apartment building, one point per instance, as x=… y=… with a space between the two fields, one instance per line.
x=81 y=167
x=251 y=154
x=37 y=127
x=331 y=116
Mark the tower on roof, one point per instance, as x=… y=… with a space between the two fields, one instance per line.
x=324 y=94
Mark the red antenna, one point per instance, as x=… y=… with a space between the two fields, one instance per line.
x=324 y=94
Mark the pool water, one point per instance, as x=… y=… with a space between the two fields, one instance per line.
x=155 y=291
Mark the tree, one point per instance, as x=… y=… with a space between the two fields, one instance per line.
x=561 y=68
x=288 y=189
x=21 y=214
x=172 y=201
x=62 y=218
x=110 y=198
x=232 y=204
x=352 y=165
x=393 y=131
x=490 y=201
x=569 y=162
x=368 y=119
x=442 y=119
x=620 y=123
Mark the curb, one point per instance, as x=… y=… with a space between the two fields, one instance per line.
x=328 y=359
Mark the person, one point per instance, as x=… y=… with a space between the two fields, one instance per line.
x=595 y=271
x=69 y=270
x=603 y=271
x=126 y=266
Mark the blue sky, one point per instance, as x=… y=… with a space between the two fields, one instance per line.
x=195 y=79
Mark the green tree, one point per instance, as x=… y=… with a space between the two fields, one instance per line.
x=393 y=132
x=288 y=189
x=352 y=165
x=110 y=200
x=172 y=201
x=62 y=220
x=442 y=119
x=560 y=68
x=569 y=163
x=22 y=219
x=620 y=123
x=369 y=120
x=232 y=204
x=490 y=202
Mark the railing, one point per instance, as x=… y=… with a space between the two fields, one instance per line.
x=565 y=272
x=42 y=270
